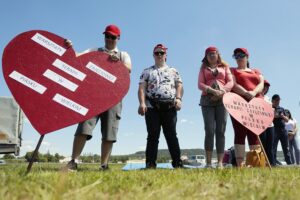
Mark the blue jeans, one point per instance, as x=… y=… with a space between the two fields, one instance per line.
x=294 y=148
x=215 y=118
x=267 y=139
x=167 y=120
x=281 y=134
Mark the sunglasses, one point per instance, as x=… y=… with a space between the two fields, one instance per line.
x=239 y=56
x=111 y=37
x=159 y=53
x=211 y=54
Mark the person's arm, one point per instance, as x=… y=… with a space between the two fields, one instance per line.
x=229 y=80
x=142 y=98
x=179 y=94
x=259 y=88
x=237 y=88
x=126 y=60
x=203 y=86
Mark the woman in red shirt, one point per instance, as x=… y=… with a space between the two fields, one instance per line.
x=248 y=83
x=214 y=80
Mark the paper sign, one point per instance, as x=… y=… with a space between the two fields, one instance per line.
x=256 y=115
x=69 y=69
x=45 y=42
x=98 y=70
x=60 y=80
x=70 y=104
x=28 y=82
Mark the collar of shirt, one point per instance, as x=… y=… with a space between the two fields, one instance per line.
x=115 y=50
x=164 y=66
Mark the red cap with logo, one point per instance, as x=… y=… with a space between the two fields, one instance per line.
x=113 y=30
x=160 y=46
x=244 y=50
x=209 y=49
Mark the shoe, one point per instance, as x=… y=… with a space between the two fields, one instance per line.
x=219 y=166
x=177 y=164
x=104 y=167
x=150 y=165
x=71 y=166
x=208 y=166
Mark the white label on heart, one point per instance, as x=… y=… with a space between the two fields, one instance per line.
x=69 y=69
x=98 y=70
x=70 y=104
x=60 y=80
x=28 y=82
x=45 y=42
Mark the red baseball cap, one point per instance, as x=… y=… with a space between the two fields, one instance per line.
x=113 y=30
x=209 y=49
x=244 y=50
x=160 y=46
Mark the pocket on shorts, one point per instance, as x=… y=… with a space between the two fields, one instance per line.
x=118 y=110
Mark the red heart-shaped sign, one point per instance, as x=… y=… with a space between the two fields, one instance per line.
x=256 y=115
x=55 y=88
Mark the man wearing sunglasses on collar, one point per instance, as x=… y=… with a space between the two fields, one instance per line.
x=160 y=93
x=110 y=118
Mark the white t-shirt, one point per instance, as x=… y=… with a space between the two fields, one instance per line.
x=290 y=125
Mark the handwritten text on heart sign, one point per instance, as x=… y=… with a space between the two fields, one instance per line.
x=254 y=114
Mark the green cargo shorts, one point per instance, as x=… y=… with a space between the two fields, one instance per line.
x=109 y=124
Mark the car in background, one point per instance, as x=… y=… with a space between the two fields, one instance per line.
x=2 y=162
x=196 y=160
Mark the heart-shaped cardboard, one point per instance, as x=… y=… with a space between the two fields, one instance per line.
x=256 y=115
x=55 y=88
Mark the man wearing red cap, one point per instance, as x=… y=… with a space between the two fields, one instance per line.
x=160 y=92
x=110 y=118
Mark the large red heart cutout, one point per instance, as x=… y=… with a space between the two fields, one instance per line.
x=56 y=89
x=256 y=115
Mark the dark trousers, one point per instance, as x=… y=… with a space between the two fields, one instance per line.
x=167 y=120
x=267 y=139
x=281 y=134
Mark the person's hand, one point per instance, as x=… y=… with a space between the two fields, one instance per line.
x=178 y=104
x=114 y=57
x=68 y=43
x=249 y=95
x=142 y=109
x=215 y=98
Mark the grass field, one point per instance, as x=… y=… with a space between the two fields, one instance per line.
x=46 y=181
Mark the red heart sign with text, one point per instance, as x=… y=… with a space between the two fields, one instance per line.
x=256 y=115
x=56 y=89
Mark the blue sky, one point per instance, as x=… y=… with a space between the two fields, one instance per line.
x=268 y=29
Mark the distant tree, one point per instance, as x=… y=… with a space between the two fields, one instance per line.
x=8 y=157
x=28 y=156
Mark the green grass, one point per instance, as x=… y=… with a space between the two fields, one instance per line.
x=46 y=181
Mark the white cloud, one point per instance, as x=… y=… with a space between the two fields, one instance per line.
x=46 y=144
x=186 y=121
x=141 y=148
x=183 y=121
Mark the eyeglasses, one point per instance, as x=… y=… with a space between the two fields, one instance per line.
x=112 y=37
x=239 y=56
x=159 y=53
